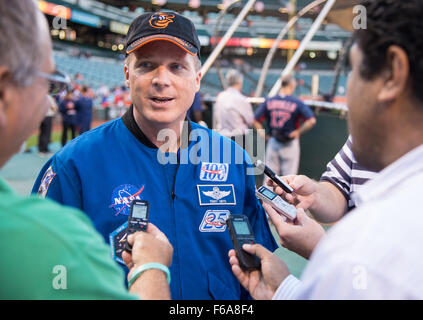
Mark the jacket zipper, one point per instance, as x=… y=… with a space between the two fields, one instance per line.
x=173 y=195
x=174 y=177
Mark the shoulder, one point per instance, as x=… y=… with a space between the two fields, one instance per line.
x=219 y=145
x=378 y=230
x=63 y=230
x=299 y=102
x=100 y=136
x=34 y=214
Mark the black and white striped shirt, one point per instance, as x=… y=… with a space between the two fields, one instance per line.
x=346 y=174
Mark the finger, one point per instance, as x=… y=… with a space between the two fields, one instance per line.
x=290 y=198
x=127 y=258
x=297 y=182
x=231 y=253
x=270 y=182
x=233 y=260
x=153 y=230
x=131 y=238
x=277 y=219
x=299 y=203
x=257 y=249
x=301 y=216
x=278 y=190
x=238 y=273
x=303 y=184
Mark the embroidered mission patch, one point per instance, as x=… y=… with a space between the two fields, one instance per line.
x=45 y=182
x=214 y=221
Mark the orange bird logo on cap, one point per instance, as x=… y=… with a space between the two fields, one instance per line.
x=161 y=20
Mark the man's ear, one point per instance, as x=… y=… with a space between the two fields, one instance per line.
x=395 y=76
x=6 y=93
x=198 y=81
x=126 y=72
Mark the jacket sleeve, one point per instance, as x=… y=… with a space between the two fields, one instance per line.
x=59 y=182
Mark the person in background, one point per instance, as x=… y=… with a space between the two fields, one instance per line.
x=232 y=113
x=68 y=111
x=45 y=128
x=283 y=113
x=84 y=107
x=195 y=112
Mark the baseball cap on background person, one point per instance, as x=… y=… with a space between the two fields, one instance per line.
x=168 y=26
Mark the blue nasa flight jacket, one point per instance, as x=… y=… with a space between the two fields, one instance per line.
x=103 y=170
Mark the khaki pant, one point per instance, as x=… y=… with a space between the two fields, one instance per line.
x=283 y=158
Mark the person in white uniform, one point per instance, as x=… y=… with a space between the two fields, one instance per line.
x=232 y=113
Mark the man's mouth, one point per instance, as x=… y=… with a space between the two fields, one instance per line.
x=161 y=99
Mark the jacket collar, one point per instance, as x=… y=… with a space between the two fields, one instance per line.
x=130 y=123
x=391 y=177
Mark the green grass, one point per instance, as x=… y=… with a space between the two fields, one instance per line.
x=33 y=140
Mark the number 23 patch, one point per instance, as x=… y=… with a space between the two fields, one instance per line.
x=214 y=221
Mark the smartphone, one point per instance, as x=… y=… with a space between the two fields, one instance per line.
x=241 y=233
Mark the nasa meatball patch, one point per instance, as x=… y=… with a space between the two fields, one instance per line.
x=122 y=197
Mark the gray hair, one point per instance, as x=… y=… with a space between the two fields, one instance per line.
x=233 y=77
x=20 y=49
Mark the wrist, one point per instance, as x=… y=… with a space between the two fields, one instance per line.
x=137 y=271
x=288 y=289
x=315 y=199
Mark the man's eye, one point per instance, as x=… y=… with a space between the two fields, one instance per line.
x=145 y=65
x=176 y=66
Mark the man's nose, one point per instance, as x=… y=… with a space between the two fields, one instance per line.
x=161 y=76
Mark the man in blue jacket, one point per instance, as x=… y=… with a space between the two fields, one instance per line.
x=84 y=105
x=192 y=177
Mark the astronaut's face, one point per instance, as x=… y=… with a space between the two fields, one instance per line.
x=163 y=80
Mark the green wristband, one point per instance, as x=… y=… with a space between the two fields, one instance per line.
x=153 y=265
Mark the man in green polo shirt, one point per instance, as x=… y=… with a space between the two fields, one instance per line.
x=46 y=255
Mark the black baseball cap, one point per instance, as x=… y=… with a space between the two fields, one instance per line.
x=168 y=26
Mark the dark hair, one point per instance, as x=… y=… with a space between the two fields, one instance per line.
x=287 y=80
x=392 y=22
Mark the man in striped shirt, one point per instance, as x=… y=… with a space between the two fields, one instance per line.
x=345 y=173
x=328 y=200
